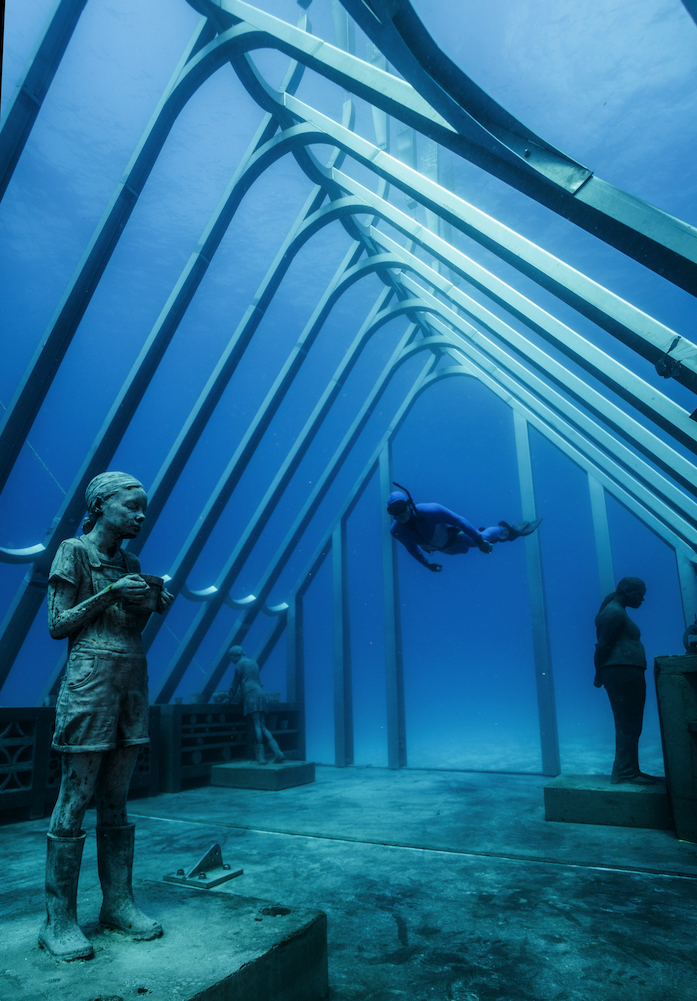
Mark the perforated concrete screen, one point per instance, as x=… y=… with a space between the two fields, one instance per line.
x=269 y=259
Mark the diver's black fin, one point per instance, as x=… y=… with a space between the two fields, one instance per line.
x=520 y=528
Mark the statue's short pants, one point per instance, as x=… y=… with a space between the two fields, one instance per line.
x=103 y=703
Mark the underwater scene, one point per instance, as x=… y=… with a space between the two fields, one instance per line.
x=272 y=280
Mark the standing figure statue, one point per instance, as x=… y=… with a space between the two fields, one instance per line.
x=247 y=681
x=97 y=599
x=433 y=528
x=620 y=665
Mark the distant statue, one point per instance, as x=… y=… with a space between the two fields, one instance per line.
x=247 y=681
x=620 y=665
x=100 y=602
x=433 y=528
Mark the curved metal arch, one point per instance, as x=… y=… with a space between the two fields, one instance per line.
x=649 y=338
x=206 y=616
x=385 y=316
x=645 y=440
x=589 y=456
x=575 y=429
x=226 y=578
x=403 y=39
x=677 y=542
x=265 y=156
x=57 y=337
x=673 y=539
x=207 y=520
x=178 y=93
x=277 y=565
x=152 y=351
x=654 y=238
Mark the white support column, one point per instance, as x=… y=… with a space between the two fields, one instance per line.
x=549 y=738
x=343 y=689
x=394 y=674
x=601 y=529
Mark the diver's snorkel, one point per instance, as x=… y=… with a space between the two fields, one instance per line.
x=412 y=505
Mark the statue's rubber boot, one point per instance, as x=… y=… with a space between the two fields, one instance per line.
x=278 y=755
x=61 y=935
x=259 y=754
x=520 y=528
x=115 y=862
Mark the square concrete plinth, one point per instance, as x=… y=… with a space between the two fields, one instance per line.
x=592 y=799
x=216 y=947
x=250 y=775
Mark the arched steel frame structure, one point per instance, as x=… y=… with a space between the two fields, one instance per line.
x=452 y=332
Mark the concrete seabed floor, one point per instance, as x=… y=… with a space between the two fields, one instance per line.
x=438 y=886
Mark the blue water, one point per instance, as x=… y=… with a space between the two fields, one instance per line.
x=615 y=91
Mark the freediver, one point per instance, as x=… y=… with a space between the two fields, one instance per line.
x=434 y=528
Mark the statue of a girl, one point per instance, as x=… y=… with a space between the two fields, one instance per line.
x=620 y=665
x=247 y=681
x=95 y=599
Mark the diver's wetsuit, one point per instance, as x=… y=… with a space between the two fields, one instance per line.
x=438 y=530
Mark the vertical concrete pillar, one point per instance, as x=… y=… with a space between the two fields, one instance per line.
x=343 y=693
x=394 y=672
x=546 y=707
x=295 y=662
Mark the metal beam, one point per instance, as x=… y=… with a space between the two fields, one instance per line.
x=614 y=417
x=601 y=529
x=47 y=358
x=394 y=668
x=293 y=536
x=272 y=638
x=273 y=494
x=654 y=238
x=546 y=707
x=32 y=87
x=28 y=599
x=343 y=690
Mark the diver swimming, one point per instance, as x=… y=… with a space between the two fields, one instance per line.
x=433 y=528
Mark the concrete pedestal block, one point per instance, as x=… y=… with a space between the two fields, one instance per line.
x=217 y=946
x=676 y=692
x=250 y=775
x=592 y=799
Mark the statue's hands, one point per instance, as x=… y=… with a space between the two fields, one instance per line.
x=131 y=588
x=164 y=600
x=435 y=567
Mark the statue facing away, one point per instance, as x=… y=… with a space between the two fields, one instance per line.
x=100 y=602
x=247 y=681
x=620 y=665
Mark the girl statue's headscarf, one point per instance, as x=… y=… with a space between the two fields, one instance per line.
x=102 y=486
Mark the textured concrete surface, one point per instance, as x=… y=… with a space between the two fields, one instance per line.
x=592 y=799
x=251 y=775
x=216 y=947
x=437 y=886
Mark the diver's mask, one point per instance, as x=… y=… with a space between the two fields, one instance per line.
x=398 y=507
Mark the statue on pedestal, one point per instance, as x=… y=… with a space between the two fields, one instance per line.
x=620 y=665
x=98 y=599
x=247 y=681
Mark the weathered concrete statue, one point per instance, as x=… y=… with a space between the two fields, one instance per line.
x=247 y=681
x=99 y=601
x=620 y=665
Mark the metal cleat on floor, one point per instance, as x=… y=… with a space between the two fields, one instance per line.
x=209 y=872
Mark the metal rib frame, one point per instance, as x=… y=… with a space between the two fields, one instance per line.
x=514 y=368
